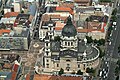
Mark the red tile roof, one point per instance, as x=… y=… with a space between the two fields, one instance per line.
x=15 y=67
x=82 y=1
x=28 y=77
x=50 y=77
x=11 y=14
x=4 y=31
x=14 y=74
x=47 y=17
x=64 y=9
x=101 y=29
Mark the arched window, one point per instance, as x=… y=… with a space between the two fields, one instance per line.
x=78 y=65
x=65 y=43
x=68 y=43
x=67 y=60
x=71 y=43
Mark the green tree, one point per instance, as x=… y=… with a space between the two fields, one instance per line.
x=73 y=72
x=113 y=18
x=118 y=62
x=89 y=39
x=61 y=71
x=90 y=70
x=117 y=70
x=117 y=78
x=22 y=11
x=102 y=53
x=105 y=0
x=95 y=41
x=118 y=48
x=101 y=42
x=57 y=38
x=114 y=11
x=87 y=19
x=79 y=72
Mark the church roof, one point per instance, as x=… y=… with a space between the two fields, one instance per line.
x=69 y=29
x=55 y=46
x=68 y=53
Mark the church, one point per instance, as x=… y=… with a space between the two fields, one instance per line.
x=69 y=52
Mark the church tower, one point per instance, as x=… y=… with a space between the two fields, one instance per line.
x=69 y=36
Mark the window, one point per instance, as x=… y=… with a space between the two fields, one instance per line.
x=68 y=43
x=84 y=66
x=71 y=43
x=57 y=65
x=47 y=65
x=67 y=69
x=78 y=65
x=67 y=60
x=47 y=60
x=65 y=43
x=46 y=44
x=68 y=65
x=47 y=53
x=50 y=29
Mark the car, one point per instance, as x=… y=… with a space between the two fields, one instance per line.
x=118 y=4
x=109 y=43
x=115 y=28
x=103 y=69
x=105 y=72
x=104 y=76
x=112 y=26
x=106 y=62
x=114 y=23
x=110 y=35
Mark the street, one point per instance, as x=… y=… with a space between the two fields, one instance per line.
x=111 y=54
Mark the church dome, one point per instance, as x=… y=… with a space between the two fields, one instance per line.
x=69 y=29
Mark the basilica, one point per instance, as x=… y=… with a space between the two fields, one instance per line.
x=68 y=52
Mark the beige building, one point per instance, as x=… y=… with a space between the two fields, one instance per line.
x=68 y=52
x=17 y=7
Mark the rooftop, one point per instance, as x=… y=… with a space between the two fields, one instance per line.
x=11 y=14
x=50 y=77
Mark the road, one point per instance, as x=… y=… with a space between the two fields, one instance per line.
x=112 y=55
x=115 y=39
x=31 y=58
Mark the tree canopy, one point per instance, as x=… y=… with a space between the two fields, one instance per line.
x=89 y=39
x=61 y=71
x=90 y=70
x=79 y=72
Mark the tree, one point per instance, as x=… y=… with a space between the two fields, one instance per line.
x=101 y=52
x=73 y=72
x=57 y=38
x=87 y=19
x=90 y=70
x=117 y=78
x=114 y=11
x=101 y=42
x=116 y=70
x=118 y=48
x=95 y=41
x=61 y=71
x=22 y=11
x=89 y=39
x=79 y=72
x=118 y=62
x=113 y=18
x=105 y=0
